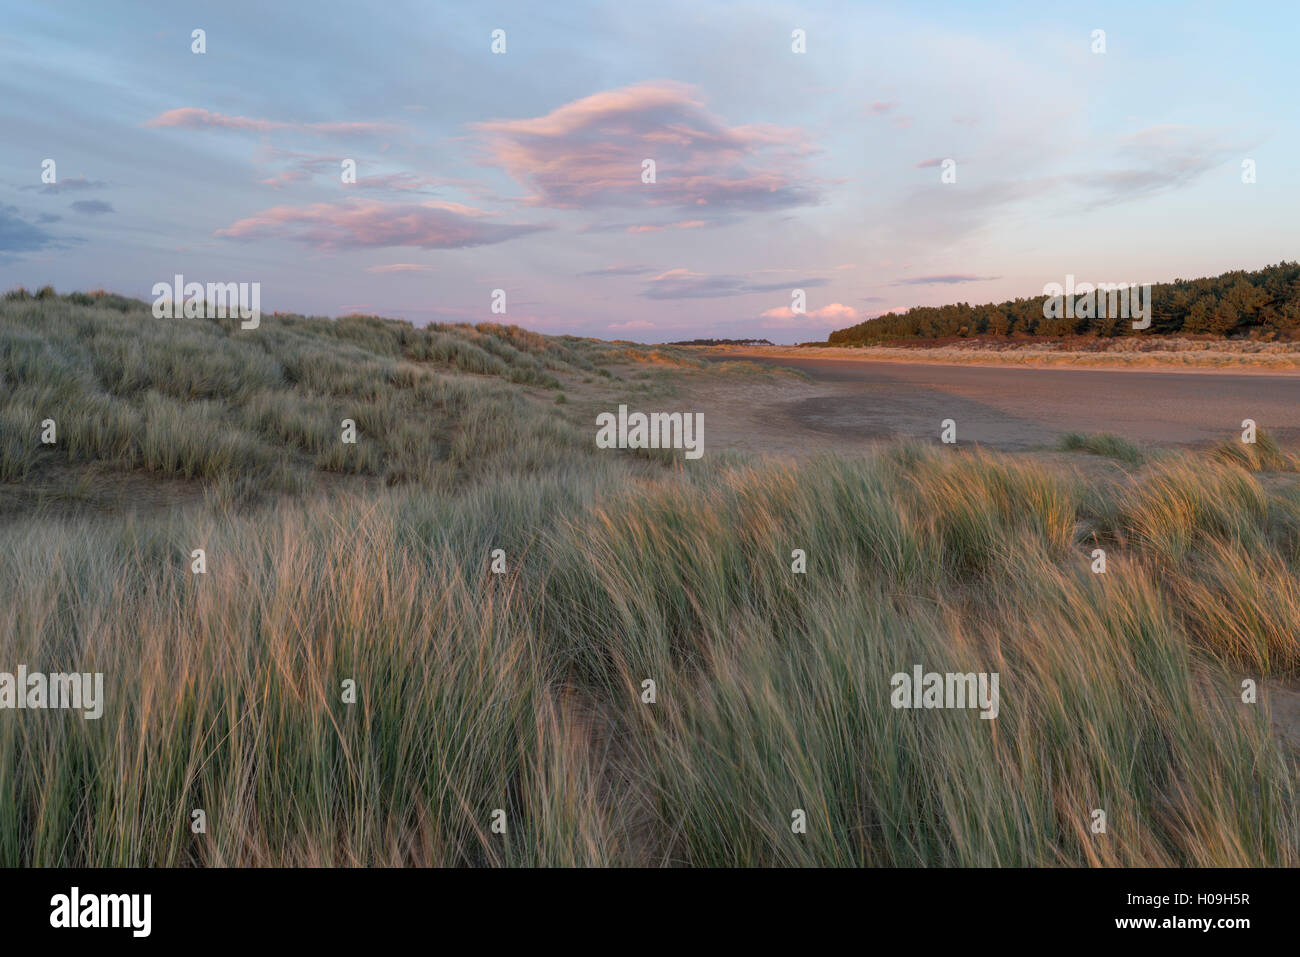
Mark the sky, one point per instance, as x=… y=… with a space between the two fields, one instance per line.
x=775 y=171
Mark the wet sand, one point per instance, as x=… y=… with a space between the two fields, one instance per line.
x=848 y=401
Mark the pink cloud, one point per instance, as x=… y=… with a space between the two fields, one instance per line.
x=194 y=118
x=589 y=153
x=834 y=312
x=400 y=268
x=285 y=177
x=660 y=227
x=361 y=223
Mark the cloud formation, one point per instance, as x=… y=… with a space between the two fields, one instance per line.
x=400 y=268
x=92 y=207
x=947 y=279
x=368 y=223
x=71 y=184
x=588 y=154
x=1152 y=161
x=19 y=236
x=633 y=270
x=194 y=118
x=684 y=284
x=831 y=312
x=1155 y=160
x=286 y=177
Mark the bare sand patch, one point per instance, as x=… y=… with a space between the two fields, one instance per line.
x=1152 y=355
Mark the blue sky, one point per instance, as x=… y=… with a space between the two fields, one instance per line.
x=522 y=171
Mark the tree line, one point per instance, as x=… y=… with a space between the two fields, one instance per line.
x=1262 y=303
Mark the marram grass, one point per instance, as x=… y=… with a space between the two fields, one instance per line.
x=522 y=692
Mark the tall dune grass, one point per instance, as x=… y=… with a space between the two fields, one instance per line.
x=522 y=692
x=264 y=409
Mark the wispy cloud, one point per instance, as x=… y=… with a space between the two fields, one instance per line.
x=947 y=279
x=1157 y=160
x=286 y=178
x=660 y=227
x=363 y=223
x=92 y=207
x=300 y=167
x=633 y=270
x=684 y=284
x=71 y=184
x=194 y=118
x=1153 y=161
x=401 y=268
x=404 y=182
